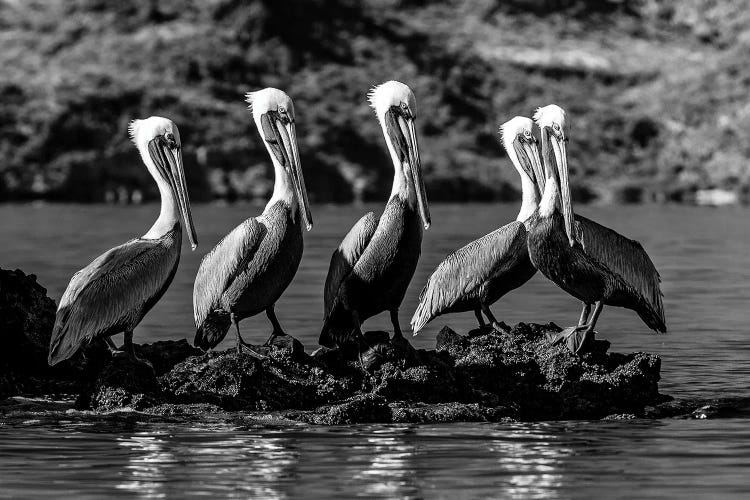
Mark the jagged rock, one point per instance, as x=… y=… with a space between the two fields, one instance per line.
x=484 y=375
x=26 y=319
x=165 y=354
x=363 y=408
x=124 y=383
x=232 y=381
x=450 y=412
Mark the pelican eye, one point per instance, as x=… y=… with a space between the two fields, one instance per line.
x=171 y=141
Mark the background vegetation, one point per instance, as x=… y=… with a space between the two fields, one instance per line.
x=657 y=92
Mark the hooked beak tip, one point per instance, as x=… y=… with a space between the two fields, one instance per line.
x=193 y=246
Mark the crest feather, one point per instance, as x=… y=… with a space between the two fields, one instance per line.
x=133 y=127
x=537 y=114
x=371 y=95
x=249 y=97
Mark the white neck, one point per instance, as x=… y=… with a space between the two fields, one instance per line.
x=529 y=198
x=403 y=184
x=169 y=214
x=283 y=190
x=529 y=194
x=550 y=198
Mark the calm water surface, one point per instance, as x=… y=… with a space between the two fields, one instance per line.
x=702 y=256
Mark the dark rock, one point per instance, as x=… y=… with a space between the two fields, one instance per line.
x=364 y=408
x=450 y=412
x=124 y=383
x=484 y=376
x=165 y=354
x=244 y=382
x=26 y=319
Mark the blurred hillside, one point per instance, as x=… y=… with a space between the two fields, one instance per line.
x=657 y=92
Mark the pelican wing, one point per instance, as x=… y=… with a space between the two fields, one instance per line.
x=112 y=292
x=221 y=266
x=460 y=275
x=347 y=255
x=625 y=257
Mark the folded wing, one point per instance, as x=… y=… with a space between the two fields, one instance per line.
x=346 y=256
x=460 y=275
x=115 y=290
x=628 y=259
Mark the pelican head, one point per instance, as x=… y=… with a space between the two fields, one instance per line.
x=158 y=141
x=396 y=109
x=520 y=143
x=554 y=128
x=273 y=113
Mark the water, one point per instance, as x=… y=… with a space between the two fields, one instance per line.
x=702 y=256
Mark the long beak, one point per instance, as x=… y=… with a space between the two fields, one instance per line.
x=561 y=159
x=179 y=190
x=532 y=153
x=415 y=166
x=289 y=138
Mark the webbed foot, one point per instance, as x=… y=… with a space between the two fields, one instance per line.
x=500 y=327
x=575 y=337
x=243 y=346
x=274 y=335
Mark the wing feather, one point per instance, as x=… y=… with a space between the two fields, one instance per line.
x=221 y=266
x=346 y=256
x=462 y=273
x=113 y=290
x=625 y=257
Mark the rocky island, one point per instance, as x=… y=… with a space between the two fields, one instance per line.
x=483 y=375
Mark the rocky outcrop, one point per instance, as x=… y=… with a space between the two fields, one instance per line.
x=481 y=376
x=484 y=375
x=26 y=319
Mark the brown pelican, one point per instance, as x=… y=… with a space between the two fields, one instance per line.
x=589 y=261
x=249 y=269
x=373 y=265
x=477 y=275
x=114 y=292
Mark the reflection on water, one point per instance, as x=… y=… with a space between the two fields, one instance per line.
x=669 y=459
x=701 y=254
x=532 y=462
x=390 y=471
x=145 y=469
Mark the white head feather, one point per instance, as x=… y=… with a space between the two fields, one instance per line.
x=514 y=127
x=391 y=93
x=144 y=131
x=269 y=99
x=547 y=116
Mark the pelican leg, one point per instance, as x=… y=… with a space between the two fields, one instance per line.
x=576 y=337
x=113 y=350
x=500 y=327
x=277 y=330
x=397 y=334
x=241 y=343
x=128 y=348
x=480 y=318
x=362 y=344
x=584 y=314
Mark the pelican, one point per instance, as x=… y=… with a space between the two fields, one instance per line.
x=593 y=263
x=373 y=265
x=477 y=275
x=249 y=269
x=114 y=292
